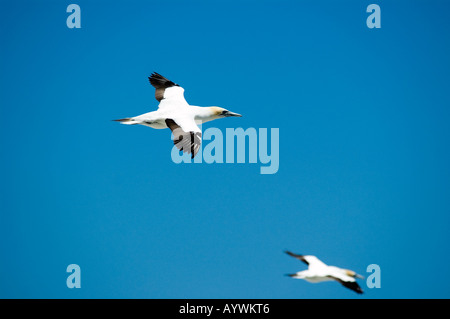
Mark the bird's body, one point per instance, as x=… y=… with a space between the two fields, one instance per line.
x=175 y=113
x=319 y=272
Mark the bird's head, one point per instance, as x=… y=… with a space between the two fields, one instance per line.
x=353 y=274
x=220 y=112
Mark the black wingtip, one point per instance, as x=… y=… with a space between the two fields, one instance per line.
x=353 y=285
x=159 y=81
x=291 y=253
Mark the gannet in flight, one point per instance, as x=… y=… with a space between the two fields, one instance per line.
x=318 y=271
x=175 y=113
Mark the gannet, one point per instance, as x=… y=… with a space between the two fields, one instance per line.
x=175 y=113
x=318 y=271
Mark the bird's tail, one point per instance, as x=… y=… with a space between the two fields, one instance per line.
x=128 y=121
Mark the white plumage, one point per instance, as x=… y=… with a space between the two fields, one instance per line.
x=318 y=272
x=175 y=113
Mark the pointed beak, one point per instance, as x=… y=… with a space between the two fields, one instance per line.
x=227 y=114
x=290 y=275
x=359 y=276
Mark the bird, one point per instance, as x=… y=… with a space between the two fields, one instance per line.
x=175 y=113
x=318 y=272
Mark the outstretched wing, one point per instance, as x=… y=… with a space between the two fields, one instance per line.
x=164 y=88
x=299 y=257
x=188 y=142
x=310 y=260
x=353 y=285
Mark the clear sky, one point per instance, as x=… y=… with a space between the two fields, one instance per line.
x=363 y=117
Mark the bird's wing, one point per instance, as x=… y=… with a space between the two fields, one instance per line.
x=315 y=262
x=353 y=285
x=311 y=261
x=166 y=89
x=185 y=139
x=299 y=257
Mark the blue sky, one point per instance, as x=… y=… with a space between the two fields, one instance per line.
x=364 y=148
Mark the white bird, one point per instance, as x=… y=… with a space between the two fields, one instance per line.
x=175 y=113
x=318 y=272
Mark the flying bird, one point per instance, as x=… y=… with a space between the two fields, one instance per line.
x=318 y=272
x=175 y=113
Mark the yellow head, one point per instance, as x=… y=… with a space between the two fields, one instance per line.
x=220 y=112
x=353 y=274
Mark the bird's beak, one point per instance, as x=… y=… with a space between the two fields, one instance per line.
x=227 y=114
x=290 y=275
x=359 y=276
